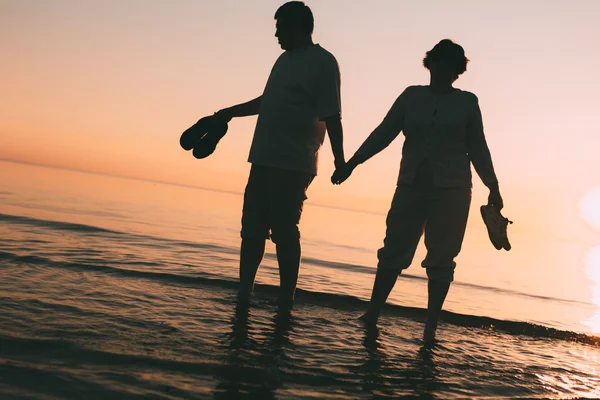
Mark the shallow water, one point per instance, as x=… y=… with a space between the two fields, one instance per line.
x=105 y=294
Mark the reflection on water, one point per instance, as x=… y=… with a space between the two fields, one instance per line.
x=252 y=369
x=260 y=359
x=384 y=376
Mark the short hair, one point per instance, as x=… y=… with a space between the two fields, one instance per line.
x=296 y=13
x=448 y=51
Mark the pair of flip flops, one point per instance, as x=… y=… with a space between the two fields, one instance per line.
x=202 y=137
x=496 y=225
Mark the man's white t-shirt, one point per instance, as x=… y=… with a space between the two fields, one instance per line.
x=302 y=90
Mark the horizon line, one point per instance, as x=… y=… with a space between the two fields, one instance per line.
x=177 y=184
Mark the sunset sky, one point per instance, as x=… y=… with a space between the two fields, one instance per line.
x=108 y=86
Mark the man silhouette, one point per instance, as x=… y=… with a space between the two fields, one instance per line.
x=300 y=102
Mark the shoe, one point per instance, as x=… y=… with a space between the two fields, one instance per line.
x=208 y=143
x=190 y=137
x=204 y=136
x=496 y=225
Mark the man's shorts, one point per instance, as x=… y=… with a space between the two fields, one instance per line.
x=273 y=202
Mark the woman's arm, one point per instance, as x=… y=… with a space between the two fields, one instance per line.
x=385 y=133
x=480 y=156
x=378 y=140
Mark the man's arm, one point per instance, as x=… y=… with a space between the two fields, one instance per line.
x=251 y=107
x=328 y=105
x=336 y=137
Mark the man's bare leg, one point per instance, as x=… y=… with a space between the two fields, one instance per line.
x=251 y=255
x=289 y=253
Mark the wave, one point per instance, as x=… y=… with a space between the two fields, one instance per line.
x=56 y=225
x=164 y=277
x=324 y=299
x=35 y=346
x=334 y=300
x=371 y=271
x=139 y=239
x=158 y=242
x=67 y=210
x=464 y=320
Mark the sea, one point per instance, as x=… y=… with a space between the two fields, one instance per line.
x=117 y=288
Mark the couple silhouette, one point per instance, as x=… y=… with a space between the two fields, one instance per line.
x=443 y=132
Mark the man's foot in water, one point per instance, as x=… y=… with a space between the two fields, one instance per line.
x=429 y=337
x=369 y=318
x=285 y=302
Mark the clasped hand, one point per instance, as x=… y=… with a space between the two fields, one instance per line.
x=343 y=172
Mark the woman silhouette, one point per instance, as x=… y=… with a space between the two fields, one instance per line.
x=443 y=133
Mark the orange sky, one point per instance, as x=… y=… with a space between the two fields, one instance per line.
x=109 y=86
